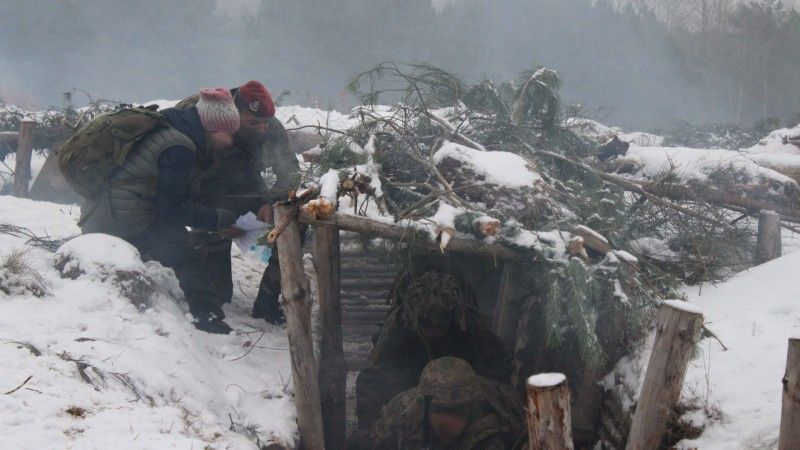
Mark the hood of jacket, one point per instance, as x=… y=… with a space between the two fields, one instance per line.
x=187 y=121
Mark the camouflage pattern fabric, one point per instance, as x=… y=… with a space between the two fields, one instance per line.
x=494 y=412
x=402 y=350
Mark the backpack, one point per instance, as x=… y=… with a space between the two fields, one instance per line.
x=89 y=158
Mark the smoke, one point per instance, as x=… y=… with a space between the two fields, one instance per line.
x=621 y=65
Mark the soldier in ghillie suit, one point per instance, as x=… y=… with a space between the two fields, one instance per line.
x=239 y=183
x=451 y=408
x=434 y=316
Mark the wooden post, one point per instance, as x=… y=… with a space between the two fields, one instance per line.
x=768 y=246
x=332 y=369
x=677 y=329
x=295 y=293
x=549 y=417
x=22 y=170
x=790 y=412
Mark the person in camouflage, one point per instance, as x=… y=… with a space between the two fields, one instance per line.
x=240 y=182
x=451 y=408
x=434 y=316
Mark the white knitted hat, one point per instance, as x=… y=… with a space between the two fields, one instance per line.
x=217 y=110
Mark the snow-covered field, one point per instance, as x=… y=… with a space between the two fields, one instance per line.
x=754 y=314
x=196 y=389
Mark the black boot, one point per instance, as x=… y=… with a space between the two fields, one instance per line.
x=214 y=326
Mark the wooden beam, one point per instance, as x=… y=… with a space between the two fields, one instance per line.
x=22 y=170
x=677 y=330
x=295 y=292
x=789 y=438
x=549 y=416
x=332 y=369
x=370 y=227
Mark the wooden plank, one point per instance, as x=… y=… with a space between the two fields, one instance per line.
x=332 y=370
x=22 y=170
x=677 y=330
x=371 y=227
x=295 y=292
x=790 y=411
x=549 y=416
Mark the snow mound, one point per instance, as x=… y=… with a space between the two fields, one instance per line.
x=599 y=133
x=92 y=253
x=499 y=168
x=104 y=373
x=697 y=164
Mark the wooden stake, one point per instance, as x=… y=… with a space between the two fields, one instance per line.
x=295 y=292
x=768 y=246
x=22 y=170
x=332 y=369
x=677 y=330
x=790 y=412
x=549 y=417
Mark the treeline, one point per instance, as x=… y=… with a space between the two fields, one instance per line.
x=747 y=53
x=630 y=66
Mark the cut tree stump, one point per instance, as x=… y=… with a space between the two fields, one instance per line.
x=549 y=416
x=295 y=292
x=677 y=330
x=790 y=411
x=768 y=246
x=332 y=369
x=22 y=170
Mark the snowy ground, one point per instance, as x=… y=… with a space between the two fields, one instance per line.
x=197 y=388
x=754 y=314
x=737 y=392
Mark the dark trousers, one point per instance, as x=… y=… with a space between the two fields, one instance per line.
x=170 y=245
x=216 y=255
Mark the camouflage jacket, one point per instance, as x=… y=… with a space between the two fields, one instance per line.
x=403 y=423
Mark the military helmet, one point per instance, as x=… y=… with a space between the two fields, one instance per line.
x=450 y=383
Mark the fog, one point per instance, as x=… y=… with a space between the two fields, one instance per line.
x=626 y=67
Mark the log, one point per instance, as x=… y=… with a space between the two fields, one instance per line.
x=22 y=170
x=332 y=369
x=677 y=329
x=789 y=211
x=364 y=225
x=295 y=292
x=789 y=438
x=549 y=417
x=592 y=239
x=768 y=246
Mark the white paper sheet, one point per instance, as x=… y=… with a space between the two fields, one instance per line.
x=253 y=228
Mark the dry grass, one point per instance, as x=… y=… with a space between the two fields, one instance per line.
x=18 y=277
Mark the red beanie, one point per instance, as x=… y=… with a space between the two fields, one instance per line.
x=254 y=97
x=217 y=111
